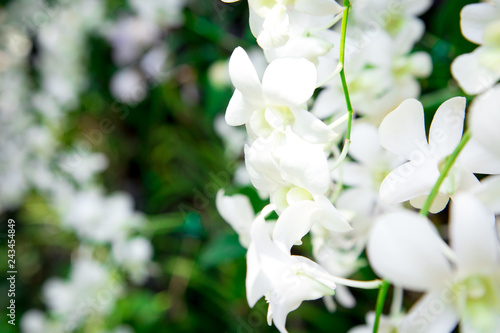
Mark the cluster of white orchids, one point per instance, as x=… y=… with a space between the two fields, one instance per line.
x=354 y=182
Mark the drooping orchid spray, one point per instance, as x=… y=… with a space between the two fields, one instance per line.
x=362 y=190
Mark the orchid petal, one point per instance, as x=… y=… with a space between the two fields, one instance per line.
x=472 y=235
x=365 y=147
x=329 y=216
x=421 y=64
x=289 y=81
x=310 y=128
x=256 y=281
x=416 y=7
x=243 y=74
x=304 y=164
x=318 y=7
x=239 y=109
x=396 y=252
x=275 y=30
x=262 y=166
x=484 y=119
x=447 y=126
x=474 y=18
x=237 y=211
x=478 y=159
x=402 y=131
x=408 y=181
x=293 y=224
x=438 y=204
x=328 y=103
x=433 y=313
x=261 y=266
x=489 y=193
x=476 y=71
x=354 y=174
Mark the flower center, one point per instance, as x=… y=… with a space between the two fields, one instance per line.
x=479 y=302
x=279 y=117
x=286 y=196
x=491 y=35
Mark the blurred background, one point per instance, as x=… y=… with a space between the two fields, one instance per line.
x=112 y=151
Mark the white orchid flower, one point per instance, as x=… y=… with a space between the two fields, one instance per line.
x=293 y=170
x=277 y=102
x=320 y=210
x=395 y=17
x=271 y=21
x=463 y=285
x=479 y=70
x=403 y=132
x=284 y=280
x=283 y=160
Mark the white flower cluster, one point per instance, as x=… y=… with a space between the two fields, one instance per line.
x=32 y=120
x=138 y=42
x=292 y=157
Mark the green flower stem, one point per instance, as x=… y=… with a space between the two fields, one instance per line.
x=347 y=142
x=450 y=160
x=382 y=293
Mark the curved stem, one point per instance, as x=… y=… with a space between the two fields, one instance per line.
x=450 y=160
x=372 y=284
x=350 y=112
x=382 y=293
x=397 y=301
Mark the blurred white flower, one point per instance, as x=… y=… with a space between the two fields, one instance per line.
x=128 y=86
x=372 y=162
x=382 y=73
x=234 y=138
x=130 y=36
x=394 y=17
x=100 y=218
x=167 y=13
x=89 y=288
x=403 y=132
x=35 y=321
x=153 y=64
x=134 y=255
x=83 y=167
x=479 y=70
x=61 y=44
x=406 y=249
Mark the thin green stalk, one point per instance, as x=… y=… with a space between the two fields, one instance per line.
x=382 y=293
x=450 y=160
x=343 y=30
